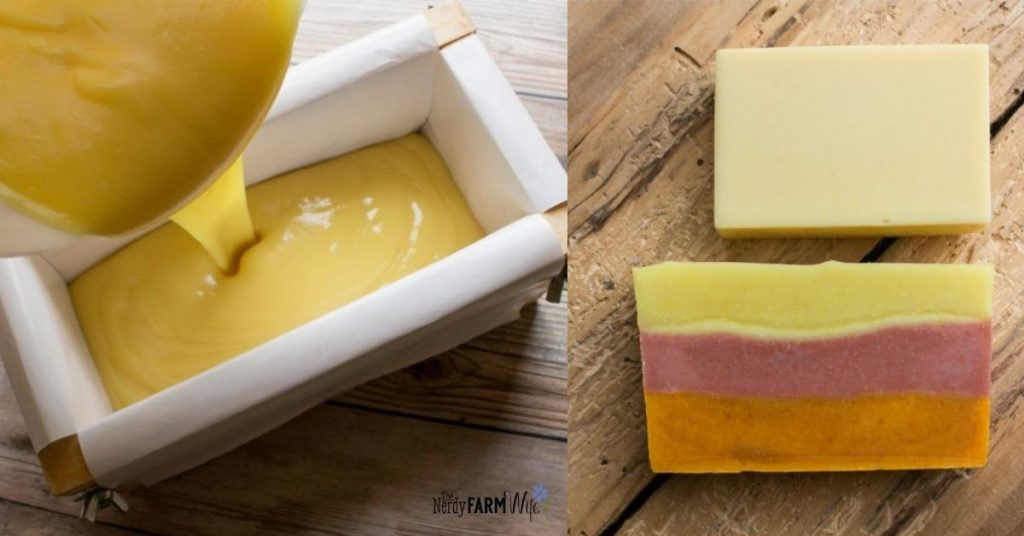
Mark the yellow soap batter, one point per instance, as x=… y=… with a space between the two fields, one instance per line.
x=160 y=311
x=219 y=219
x=114 y=111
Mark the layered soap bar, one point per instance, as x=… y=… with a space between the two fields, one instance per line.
x=831 y=367
x=866 y=140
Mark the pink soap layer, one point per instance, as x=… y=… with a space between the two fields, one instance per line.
x=931 y=358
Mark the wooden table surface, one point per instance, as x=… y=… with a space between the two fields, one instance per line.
x=484 y=417
x=640 y=177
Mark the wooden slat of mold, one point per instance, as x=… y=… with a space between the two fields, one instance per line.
x=641 y=175
x=449 y=22
x=64 y=466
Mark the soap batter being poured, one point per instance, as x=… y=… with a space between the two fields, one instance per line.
x=159 y=312
x=114 y=112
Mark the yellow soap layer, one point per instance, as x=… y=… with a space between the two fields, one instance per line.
x=865 y=140
x=113 y=111
x=829 y=297
x=696 y=433
x=160 y=311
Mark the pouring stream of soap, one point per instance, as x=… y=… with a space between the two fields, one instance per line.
x=219 y=219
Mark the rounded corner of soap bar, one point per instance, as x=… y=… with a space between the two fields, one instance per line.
x=988 y=269
x=981 y=49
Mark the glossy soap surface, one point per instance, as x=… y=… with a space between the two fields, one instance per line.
x=112 y=112
x=831 y=367
x=160 y=311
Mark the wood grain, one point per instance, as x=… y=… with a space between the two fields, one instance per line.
x=550 y=116
x=335 y=470
x=512 y=378
x=640 y=176
x=527 y=38
x=600 y=63
x=449 y=22
x=21 y=520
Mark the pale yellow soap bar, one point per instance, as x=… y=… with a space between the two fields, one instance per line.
x=865 y=140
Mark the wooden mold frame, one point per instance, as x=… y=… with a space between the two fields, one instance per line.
x=63 y=462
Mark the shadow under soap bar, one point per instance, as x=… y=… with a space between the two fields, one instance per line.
x=862 y=140
x=831 y=367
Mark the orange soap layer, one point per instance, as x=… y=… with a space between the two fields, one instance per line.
x=696 y=433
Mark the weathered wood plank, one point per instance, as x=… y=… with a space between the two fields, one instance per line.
x=641 y=192
x=986 y=501
x=599 y=64
x=512 y=378
x=20 y=520
x=550 y=116
x=335 y=470
x=527 y=39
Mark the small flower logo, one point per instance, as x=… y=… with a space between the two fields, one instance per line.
x=540 y=493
